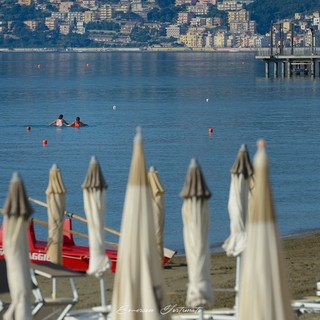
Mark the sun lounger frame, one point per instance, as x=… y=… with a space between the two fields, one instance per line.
x=54 y=272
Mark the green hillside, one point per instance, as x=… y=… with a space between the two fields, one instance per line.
x=266 y=11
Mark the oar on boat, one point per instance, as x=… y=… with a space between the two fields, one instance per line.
x=72 y=215
x=76 y=233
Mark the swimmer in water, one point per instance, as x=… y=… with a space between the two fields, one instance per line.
x=77 y=123
x=59 y=122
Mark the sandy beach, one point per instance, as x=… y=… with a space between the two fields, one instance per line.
x=303 y=264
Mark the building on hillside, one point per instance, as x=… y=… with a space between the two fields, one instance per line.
x=3 y=26
x=64 y=28
x=89 y=4
x=229 y=5
x=80 y=28
x=136 y=6
x=127 y=27
x=217 y=21
x=60 y=16
x=208 y=40
x=89 y=16
x=173 y=31
x=286 y=26
x=219 y=40
x=75 y=16
x=105 y=12
x=198 y=22
x=239 y=27
x=230 y=41
x=185 y=17
x=25 y=2
x=193 y=38
x=121 y=7
x=51 y=23
x=213 y=2
x=64 y=7
x=101 y=37
x=239 y=15
x=199 y=9
x=187 y=2
x=31 y=24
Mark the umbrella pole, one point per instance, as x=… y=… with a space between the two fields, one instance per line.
x=201 y=313
x=102 y=292
x=237 y=284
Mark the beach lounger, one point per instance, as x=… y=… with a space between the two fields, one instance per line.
x=308 y=304
x=216 y=314
x=54 y=307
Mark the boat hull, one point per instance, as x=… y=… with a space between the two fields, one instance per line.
x=74 y=257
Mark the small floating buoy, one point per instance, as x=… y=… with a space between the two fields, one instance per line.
x=44 y=142
x=88 y=65
x=210 y=131
x=28 y=128
x=39 y=66
x=207 y=100
x=114 y=107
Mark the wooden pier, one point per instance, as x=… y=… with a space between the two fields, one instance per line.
x=287 y=62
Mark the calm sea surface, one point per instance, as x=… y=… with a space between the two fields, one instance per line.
x=175 y=97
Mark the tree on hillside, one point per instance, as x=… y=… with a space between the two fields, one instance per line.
x=264 y=12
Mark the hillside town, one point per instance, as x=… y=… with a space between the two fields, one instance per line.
x=207 y=24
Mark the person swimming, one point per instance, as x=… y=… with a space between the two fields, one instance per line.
x=59 y=122
x=77 y=123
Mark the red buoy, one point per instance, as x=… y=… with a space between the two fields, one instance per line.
x=210 y=131
x=28 y=128
x=39 y=66
x=44 y=142
x=87 y=65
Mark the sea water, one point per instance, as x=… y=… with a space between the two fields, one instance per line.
x=175 y=98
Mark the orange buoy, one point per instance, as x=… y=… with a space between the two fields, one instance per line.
x=44 y=142
x=210 y=130
x=28 y=128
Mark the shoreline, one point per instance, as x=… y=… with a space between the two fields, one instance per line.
x=151 y=49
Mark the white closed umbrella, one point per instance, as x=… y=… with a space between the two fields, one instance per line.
x=241 y=182
x=264 y=290
x=17 y=211
x=138 y=291
x=56 y=200
x=158 y=191
x=94 y=197
x=195 y=214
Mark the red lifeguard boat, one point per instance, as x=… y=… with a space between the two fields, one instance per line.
x=74 y=257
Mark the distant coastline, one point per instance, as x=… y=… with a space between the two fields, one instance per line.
x=149 y=49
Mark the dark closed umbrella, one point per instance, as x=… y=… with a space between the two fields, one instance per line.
x=17 y=211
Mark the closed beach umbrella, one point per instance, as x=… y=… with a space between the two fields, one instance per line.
x=56 y=200
x=264 y=291
x=138 y=287
x=94 y=197
x=195 y=215
x=241 y=176
x=241 y=180
x=158 y=208
x=17 y=211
